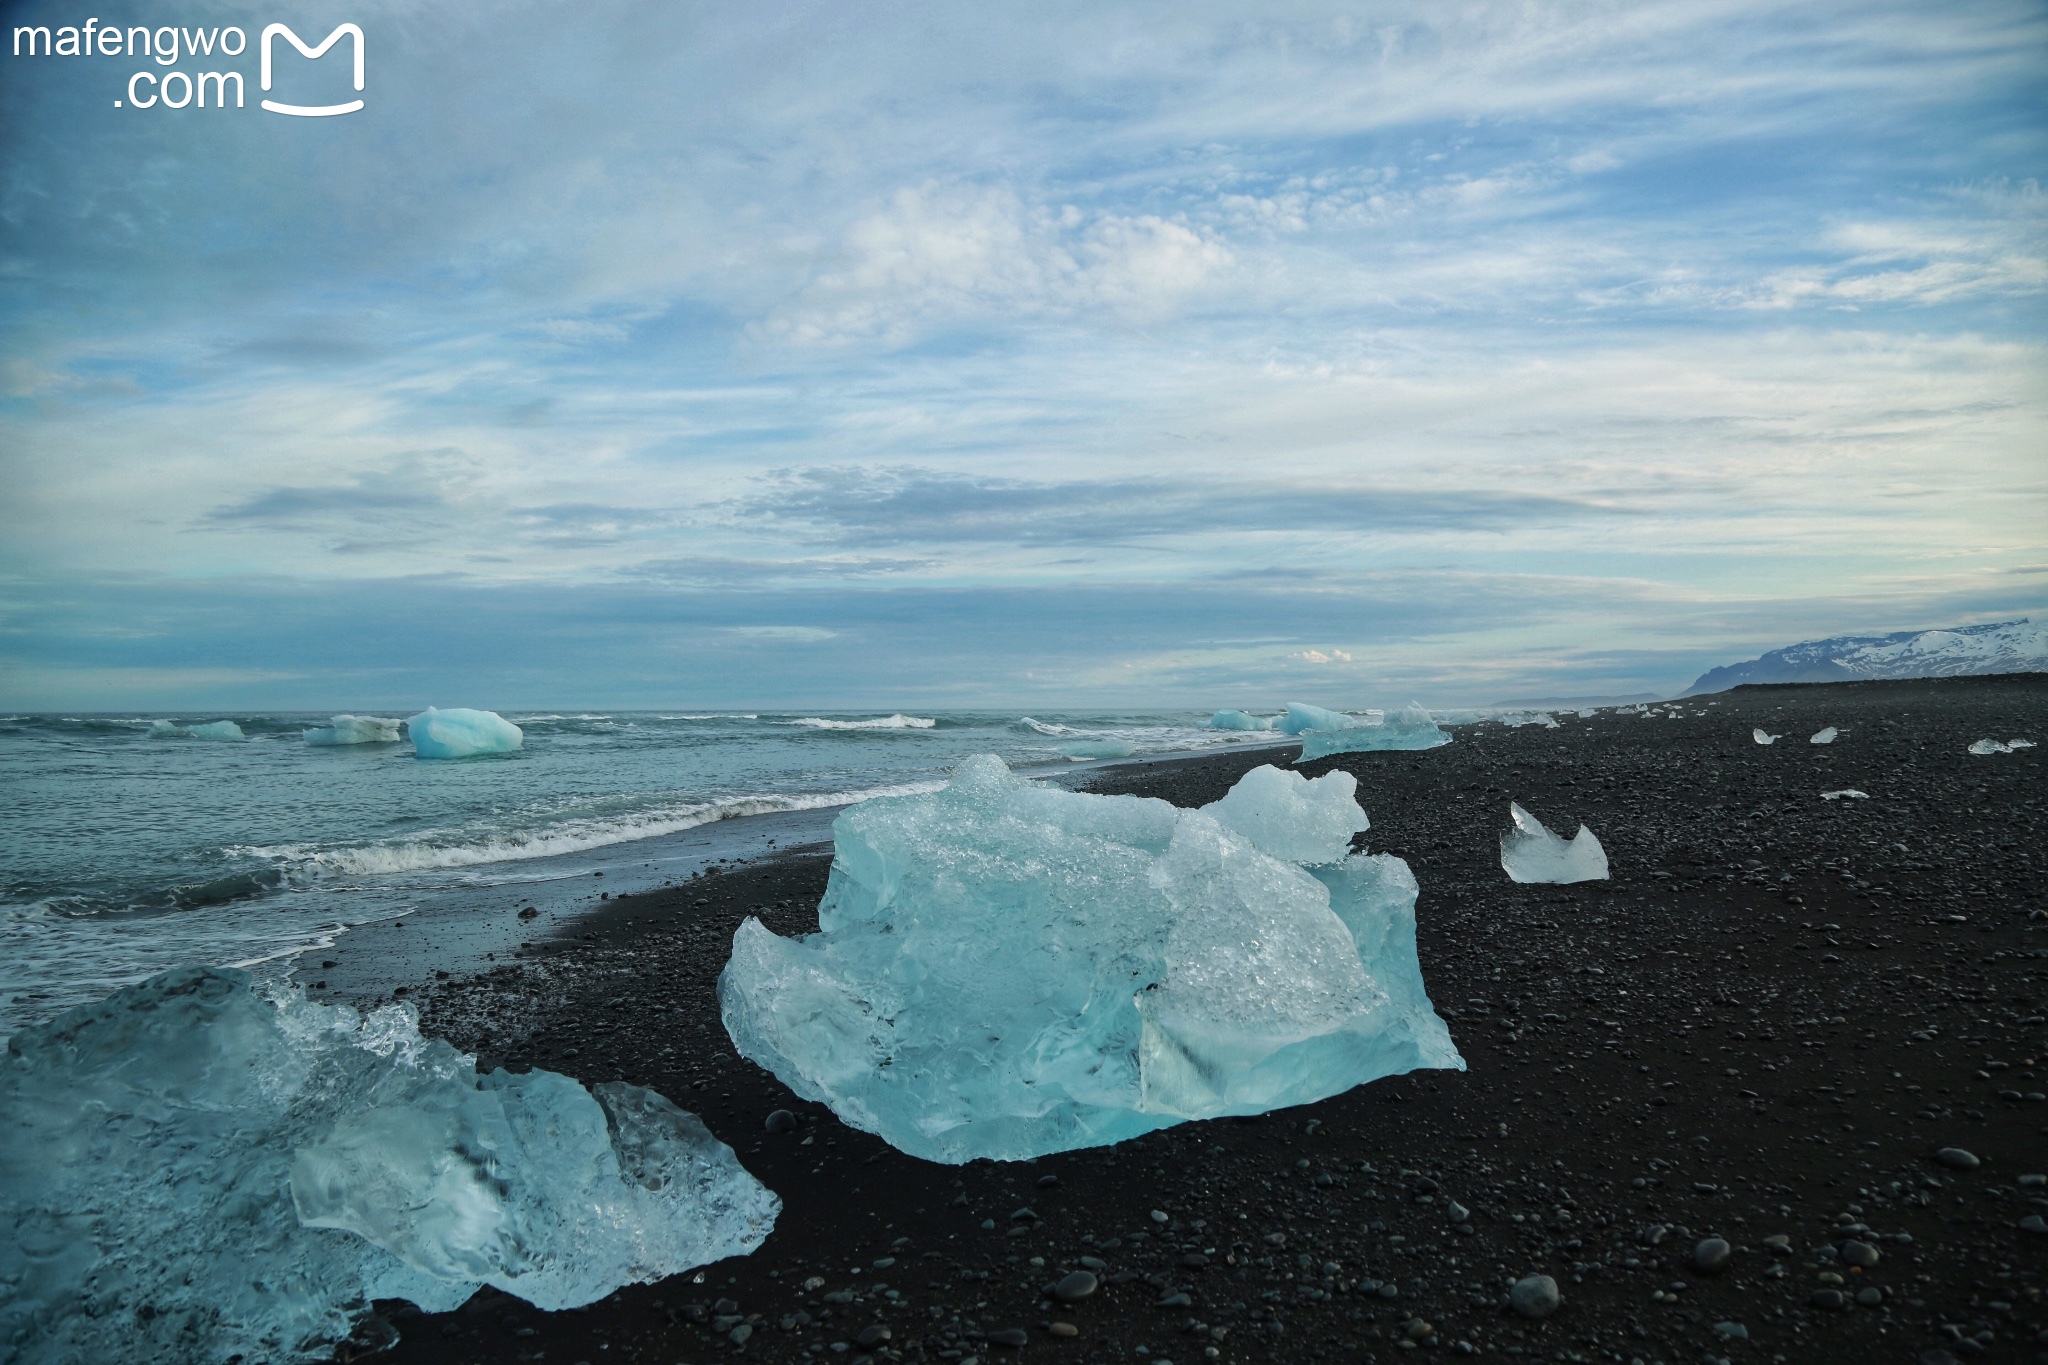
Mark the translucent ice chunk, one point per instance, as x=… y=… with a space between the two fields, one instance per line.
x=460 y=732
x=1762 y=738
x=1850 y=792
x=1990 y=746
x=2014 y=746
x=1238 y=720
x=217 y=729
x=1826 y=736
x=355 y=730
x=1004 y=970
x=1531 y=853
x=181 y=1160
x=1301 y=716
x=1409 y=728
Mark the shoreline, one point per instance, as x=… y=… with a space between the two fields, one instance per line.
x=1694 y=1048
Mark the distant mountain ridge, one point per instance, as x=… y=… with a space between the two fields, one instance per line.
x=2000 y=647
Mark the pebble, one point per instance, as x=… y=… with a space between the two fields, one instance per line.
x=1009 y=1336
x=2035 y=1224
x=1076 y=1286
x=1860 y=1253
x=1734 y=1330
x=781 y=1121
x=1535 y=1296
x=1828 y=1298
x=1457 y=1212
x=874 y=1334
x=1956 y=1159
x=1711 y=1255
x=1159 y=1217
x=1870 y=1297
x=1063 y=1329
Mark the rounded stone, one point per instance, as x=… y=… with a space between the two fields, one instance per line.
x=1063 y=1329
x=874 y=1334
x=1870 y=1296
x=781 y=1121
x=1711 y=1255
x=1956 y=1159
x=1009 y=1336
x=1535 y=1296
x=1457 y=1212
x=1829 y=1299
x=1076 y=1286
x=1860 y=1253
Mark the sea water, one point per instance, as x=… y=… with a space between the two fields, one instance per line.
x=127 y=847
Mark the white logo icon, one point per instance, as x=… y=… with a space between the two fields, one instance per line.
x=313 y=53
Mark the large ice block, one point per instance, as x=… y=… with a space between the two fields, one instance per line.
x=1301 y=716
x=1531 y=853
x=1409 y=728
x=190 y=1170
x=460 y=732
x=354 y=730
x=1004 y=969
x=215 y=729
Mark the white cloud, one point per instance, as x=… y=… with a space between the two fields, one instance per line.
x=1317 y=656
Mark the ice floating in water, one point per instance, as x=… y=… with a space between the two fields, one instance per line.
x=1409 y=728
x=1239 y=720
x=1301 y=716
x=181 y=1157
x=1004 y=970
x=460 y=732
x=1992 y=746
x=1849 y=792
x=1531 y=853
x=355 y=730
x=1098 y=748
x=1826 y=736
x=1762 y=738
x=218 y=729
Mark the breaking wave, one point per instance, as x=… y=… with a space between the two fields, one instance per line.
x=896 y=722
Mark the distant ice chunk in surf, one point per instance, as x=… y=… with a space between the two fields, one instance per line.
x=1992 y=746
x=1239 y=720
x=217 y=729
x=354 y=730
x=181 y=1159
x=1850 y=792
x=1827 y=736
x=1410 y=728
x=1763 y=737
x=460 y=732
x=1531 y=853
x=1301 y=716
x=1004 y=969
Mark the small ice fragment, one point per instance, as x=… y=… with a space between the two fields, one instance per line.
x=355 y=730
x=1587 y=713
x=182 y=1158
x=1826 y=736
x=1762 y=738
x=1004 y=969
x=1849 y=792
x=2014 y=746
x=1409 y=728
x=460 y=732
x=218 y=729
x=1992 y=746
x=1239 y=720
x=1531 y=853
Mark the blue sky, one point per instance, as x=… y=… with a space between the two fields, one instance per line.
x=967 y=355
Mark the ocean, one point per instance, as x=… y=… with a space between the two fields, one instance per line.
x=129 y=844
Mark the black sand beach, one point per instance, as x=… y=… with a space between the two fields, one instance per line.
x=1761 y=1030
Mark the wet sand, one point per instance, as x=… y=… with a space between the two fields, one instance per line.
x=1763 y=1027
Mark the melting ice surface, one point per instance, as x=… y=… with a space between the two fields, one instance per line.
x=1239 y=720
x=1004 y=969
x=1761 y=737
x=1409 y=728
x=460 y=732
x=218 y=729
x=355 y=730
x=1826 y=736
x=1531 y=853
x=1301 y=716
x=190 y=1171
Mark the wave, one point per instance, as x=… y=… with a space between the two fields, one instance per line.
x=896 y=722
x=573 y=836
x=1044 y=729
x=722 y=715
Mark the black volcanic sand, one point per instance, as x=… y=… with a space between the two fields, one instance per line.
x=1764 y=1027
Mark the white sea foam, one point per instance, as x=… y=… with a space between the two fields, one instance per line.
x=1044 y=728
x=896 y=722
x=721 y=715
x=571 y=836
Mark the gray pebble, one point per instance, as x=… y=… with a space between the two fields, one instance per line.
x=781 y=1121
x=1711 y=1255
x=1870 y=1296
x=873 y=1335
x=1457 y=1212
x=2035 y=1224
x=1535 y=1296
x=1829 y=1298
x=1956 y=1159
x=1860 y=1253
x=1076 y=1286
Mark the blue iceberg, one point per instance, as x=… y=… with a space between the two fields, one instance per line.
x=1004 y=969
x=192 y=1171
x=1239 y=720
x=355 y=730
x=1529 y=852
x=1409 y=728
x=1301 y=716
x=460 y=732
x=216 y=729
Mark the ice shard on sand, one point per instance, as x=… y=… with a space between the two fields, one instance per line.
x=1529 y=852
x=1004 y=969
x=192 y=1171
x=1410 y=728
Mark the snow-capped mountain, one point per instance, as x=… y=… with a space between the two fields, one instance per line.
x=2002 y=647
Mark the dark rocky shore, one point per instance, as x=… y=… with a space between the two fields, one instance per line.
x=1706 y=1098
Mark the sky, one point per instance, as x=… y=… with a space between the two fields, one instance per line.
x=1179 y=354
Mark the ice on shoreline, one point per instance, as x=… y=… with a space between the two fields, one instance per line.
x=459 y=732
x=1992 y=746
x=1529 y=852
x=1410 y=728
x=1301 y=716
x=354 y=730
x=1005 y=970
x=193 y=1171
x=216 y=729
x=1827 y=736
x=1763 y=737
